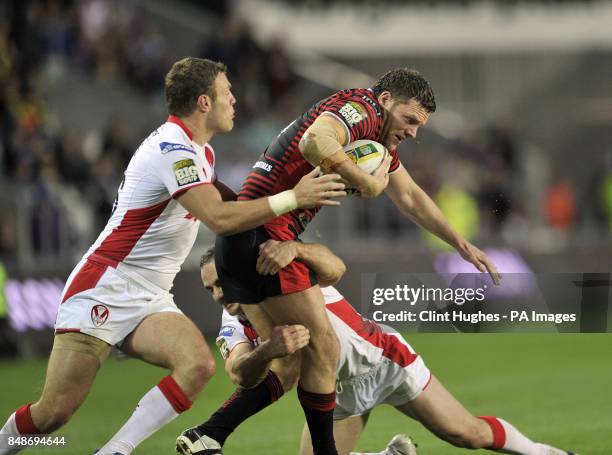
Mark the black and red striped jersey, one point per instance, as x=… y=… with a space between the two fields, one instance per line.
x=282 y=165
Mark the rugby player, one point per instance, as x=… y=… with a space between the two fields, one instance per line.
x=375 y=367
x=119 y=293
x=396 y=106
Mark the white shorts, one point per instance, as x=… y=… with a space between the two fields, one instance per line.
x=106 y=303
x=387 y=382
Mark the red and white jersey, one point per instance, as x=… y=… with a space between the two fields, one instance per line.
x=149 y=234
x=363 y=344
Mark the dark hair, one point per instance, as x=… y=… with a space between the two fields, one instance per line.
x=207 y=257
x=406 y=84
x=187 y=80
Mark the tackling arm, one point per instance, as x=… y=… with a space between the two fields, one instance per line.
x=413 y=202
x=275 y=255
x=321 y=145
x=225 y=218
x=206 y=203
x=248 y=366
x=328 y=267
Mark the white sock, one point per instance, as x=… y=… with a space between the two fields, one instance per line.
x=516 y=442
x=159 y=406
x=9 y=429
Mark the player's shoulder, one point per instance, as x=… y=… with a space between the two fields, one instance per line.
x=170 y=139
x=354 y=106
x=165 y=141
x=363 y=96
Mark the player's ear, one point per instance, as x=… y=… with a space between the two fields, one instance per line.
x=385 y=99
x=204 y=103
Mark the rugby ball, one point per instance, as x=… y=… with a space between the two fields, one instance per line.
x=366 y=154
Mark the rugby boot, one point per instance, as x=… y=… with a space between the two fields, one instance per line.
x=194 y=442
x=401 y=445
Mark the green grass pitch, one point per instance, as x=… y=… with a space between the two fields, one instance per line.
x=554 y=387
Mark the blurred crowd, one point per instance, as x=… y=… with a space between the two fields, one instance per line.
x=66 y=179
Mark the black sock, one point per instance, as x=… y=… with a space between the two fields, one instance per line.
x=319 y=412
x=240 y=406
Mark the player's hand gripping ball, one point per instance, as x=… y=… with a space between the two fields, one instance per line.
x=368 y=155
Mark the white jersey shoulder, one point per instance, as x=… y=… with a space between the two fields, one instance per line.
x=149 y=233
x=171 y=159
x=232 y=333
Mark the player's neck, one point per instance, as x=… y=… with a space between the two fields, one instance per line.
x=199 y=131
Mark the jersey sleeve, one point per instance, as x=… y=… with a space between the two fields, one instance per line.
x=358 y=116
x=395 y=161
x=180 y=167
x=231 y=334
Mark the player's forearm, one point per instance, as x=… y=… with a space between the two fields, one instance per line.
x=251 y=368
x=422 y=210
x=328 y=267
x=232 y=217
x=367 y=185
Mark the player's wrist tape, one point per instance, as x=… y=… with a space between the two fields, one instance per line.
x=283 y=202
x=329 y=164
x=320 y=142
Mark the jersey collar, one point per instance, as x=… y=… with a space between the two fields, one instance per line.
x=177 y=121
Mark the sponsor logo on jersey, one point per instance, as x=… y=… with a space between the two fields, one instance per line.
x=227 y=331
x=185 y=172
x=99 y=314
x=222 y=345
x=352 y=112
x=167 y=147
x=263 y=165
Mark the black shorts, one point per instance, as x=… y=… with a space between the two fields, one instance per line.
x=235 y=259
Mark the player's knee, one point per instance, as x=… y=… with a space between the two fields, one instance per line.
x=324 y=352
x=194 y=374
x=291 y=378
x=203 y=368
x=330 y=346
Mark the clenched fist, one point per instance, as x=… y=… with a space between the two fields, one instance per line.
x=286 y=339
